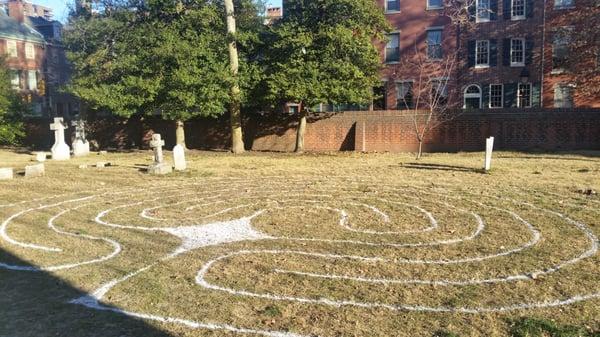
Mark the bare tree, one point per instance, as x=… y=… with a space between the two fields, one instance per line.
x=237 y=142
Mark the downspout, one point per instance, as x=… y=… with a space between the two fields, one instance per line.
x=543 y=58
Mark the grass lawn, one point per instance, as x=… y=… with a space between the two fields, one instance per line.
x=283 y=245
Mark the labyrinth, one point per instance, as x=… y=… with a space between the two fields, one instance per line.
x=304 y=254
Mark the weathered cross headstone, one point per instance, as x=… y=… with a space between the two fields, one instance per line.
x=489 y=146
x=159 y=166
x=60 y=149
x=179 y=158
x=36 y=170
x=6 y=173
x=81 y=147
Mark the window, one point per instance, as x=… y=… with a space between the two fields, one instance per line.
x=560 y=49
x=392 y=5
x=517 y=9
x=392 y=49
x=524 y=95
x=380 y=96
x=517 y=52
x=434 y=4
x=563 y=96
x=439 y=91
x=434 y=44
x=32 y=80
x=472 y=97
x=560 y=4
x=29 y=51
x=404 y=95
x=11 y=48
x=482 y=53
x=483 y=10
x=496 y=95
x=15 y=79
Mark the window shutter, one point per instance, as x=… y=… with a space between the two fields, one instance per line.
x=506 y=52
x=536 y=94
x=471 y=56
x=493 y=10
x=506 y=9
x=493 y=53
x=529 y=8
x=528 y=51
x=485 y=96
x=510 y=95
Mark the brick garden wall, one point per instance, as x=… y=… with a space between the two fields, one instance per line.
x=348 y=131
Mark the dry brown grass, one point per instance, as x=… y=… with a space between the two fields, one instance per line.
x=291 y=189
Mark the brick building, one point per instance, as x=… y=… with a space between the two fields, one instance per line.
x=34 y=54
x=507 y=53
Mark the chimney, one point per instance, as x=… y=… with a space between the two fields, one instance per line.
x=16 y=10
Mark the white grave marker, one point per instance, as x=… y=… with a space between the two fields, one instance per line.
x=158 y=167
x=81 y=147
x=6 y=173
x=489 y=146
x=179 y=158
x=60 y=149
x=36 y=170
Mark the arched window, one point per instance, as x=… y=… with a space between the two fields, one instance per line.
x=472 y=97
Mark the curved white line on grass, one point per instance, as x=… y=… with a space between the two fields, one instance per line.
x=8 y=239
x=345 y=223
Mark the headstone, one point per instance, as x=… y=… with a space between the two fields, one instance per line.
x=83 y=166
x=36 y=170
x=40 y=156
x=6 y=173
x=179 y=158
x=81 y=147
x=159 y=166
x=60 y=150
x=101 y=153
x=489 y=146
x=101 y=164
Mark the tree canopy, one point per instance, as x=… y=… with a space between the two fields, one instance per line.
x=157 y=56
x=11 y=106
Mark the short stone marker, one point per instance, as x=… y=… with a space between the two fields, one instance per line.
x=36 y=170
x=81 y=147
x=159 y=166
x=102 y=164
x=489 y=146
x=6 y=173
x=60 y=149
x=179 y=158
x=40 y=156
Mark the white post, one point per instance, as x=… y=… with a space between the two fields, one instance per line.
x=489 y=146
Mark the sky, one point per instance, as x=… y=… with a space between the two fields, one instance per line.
x=61 y=9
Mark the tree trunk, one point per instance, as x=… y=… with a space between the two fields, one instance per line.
x=237 y=141
x=420 y=149
x=180 y=133
x=300 y=132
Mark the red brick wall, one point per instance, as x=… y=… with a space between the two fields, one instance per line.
x=533 y=129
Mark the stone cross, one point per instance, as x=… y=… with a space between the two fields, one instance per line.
x=158 y=167
x=489 y=146
x=60 y=150
x=81 y=147
x=156 y=144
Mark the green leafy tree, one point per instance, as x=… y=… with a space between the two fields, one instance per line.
x=154 y=57
x=324 y=52
x=11 y=108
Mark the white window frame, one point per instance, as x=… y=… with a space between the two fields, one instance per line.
x=513 y=16
x=485 y=64
x=429 y=6
x=15 y=79
x=385 y=53
x=29 y=51
x=441 y=44
x=401 y=82
x=439 y=81
x=501 y=96
x=466 y=96
x=512 y=51
x=32 y=81
x=386 y=10
x=478 y=11
x=568 y=90
x=561 y=6
x=519 y=104
x=11 y=48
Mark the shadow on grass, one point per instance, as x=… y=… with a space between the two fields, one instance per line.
x=427 y=166
x=533 y=327
x=36 y=304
